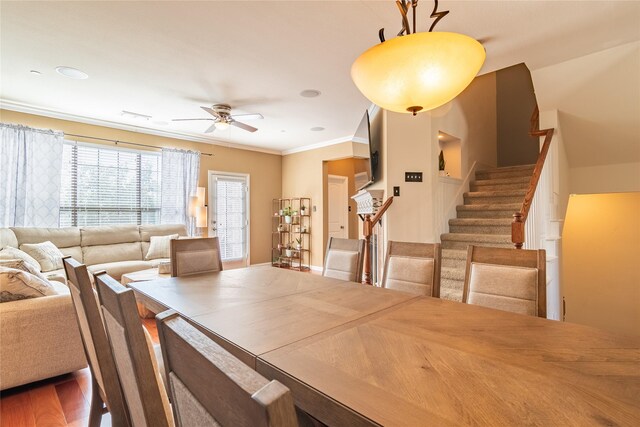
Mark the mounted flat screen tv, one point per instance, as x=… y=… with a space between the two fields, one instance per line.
x=366 y=135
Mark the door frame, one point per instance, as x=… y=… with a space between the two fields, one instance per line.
x=212 y=173
x=345 y=181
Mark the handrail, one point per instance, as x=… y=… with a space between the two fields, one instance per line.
x=519 y=218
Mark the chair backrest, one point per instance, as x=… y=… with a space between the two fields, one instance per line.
x=506 y=279
x=142 y=386
x=413 y=267
x=94 y=340
x=193 y=256
x=344 y=259
x=210 y=387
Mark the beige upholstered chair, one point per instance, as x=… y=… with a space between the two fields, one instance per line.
x=210 y=387
x=193 y=256
x=506 y=279
x=344 y=259
x=104 y=378
x=413 y=267
x=131 y=345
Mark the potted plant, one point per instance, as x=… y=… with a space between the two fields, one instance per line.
x=288 y=251
x=299 y=243
x=303 y=210
x=441 y=164
x=287 y=214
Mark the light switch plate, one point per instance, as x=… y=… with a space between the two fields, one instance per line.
x=396 y=191
x=413 y=177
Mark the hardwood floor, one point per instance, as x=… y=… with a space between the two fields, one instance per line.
x=59 y=401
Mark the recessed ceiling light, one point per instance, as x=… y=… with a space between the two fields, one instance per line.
x=310 y=93
x=35 y=72
x=283 y=130
x=317 y=129
x=72 y=73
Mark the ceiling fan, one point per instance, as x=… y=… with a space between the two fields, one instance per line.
x=222 y=118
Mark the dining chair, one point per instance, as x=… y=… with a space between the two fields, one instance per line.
x=344 y=259
x=106 y=392
x=413 y=267
x=210 y=387
x=142 y=385
x=193 y=256
x=506 y=279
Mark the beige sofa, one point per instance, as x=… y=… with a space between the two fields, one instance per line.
x=39 y=337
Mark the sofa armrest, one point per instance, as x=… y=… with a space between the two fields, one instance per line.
x=40 y=339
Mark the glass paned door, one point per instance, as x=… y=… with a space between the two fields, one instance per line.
x=230 y=216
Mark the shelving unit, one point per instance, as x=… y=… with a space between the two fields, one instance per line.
x=291 y=233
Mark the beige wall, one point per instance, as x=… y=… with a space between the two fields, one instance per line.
x=605 y=179
x=601 y=253
x=303 y=175
x=264 y=169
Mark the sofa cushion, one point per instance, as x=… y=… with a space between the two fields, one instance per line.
x=56 y=276
x=74 y=252
x=156 y=262
x=160 y=247
x=117 y=269
x=8 y=238
x=146 y=231
x=109 y=235
x=18 y=284
x=102 y=254
x=13 y=253
x=61 y=237
x=46 y=253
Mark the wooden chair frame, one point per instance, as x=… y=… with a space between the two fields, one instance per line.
x=120 y=303
x=198 y=362
x=510 y=257
x=198 y=243
x=79 y=283
x=346 y=245
x=416 y=250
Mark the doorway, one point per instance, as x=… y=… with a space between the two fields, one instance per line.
x=229 y=216
x=338 y=206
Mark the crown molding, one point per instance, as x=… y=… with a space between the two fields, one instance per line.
x=328 y=143
x=30 y=109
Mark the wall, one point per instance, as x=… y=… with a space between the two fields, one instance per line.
x=600 y=273
x=515 y=101
x=265 y=169
x=614 y=178
x=303 y=175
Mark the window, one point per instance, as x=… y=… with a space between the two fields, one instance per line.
x=104 y=185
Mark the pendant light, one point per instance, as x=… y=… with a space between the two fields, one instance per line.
x=417 y=72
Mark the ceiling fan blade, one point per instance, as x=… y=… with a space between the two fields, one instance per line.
x=211 y=111
x=245 y=117
x=211 y=128
x=243 y=126
x=184 y=120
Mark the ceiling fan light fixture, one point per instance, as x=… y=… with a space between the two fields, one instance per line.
x=417 y=72
x=222 y=125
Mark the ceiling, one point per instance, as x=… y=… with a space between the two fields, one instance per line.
x=165 y=59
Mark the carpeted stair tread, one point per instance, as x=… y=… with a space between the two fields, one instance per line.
x=496 y=193
x=510 y=168
x=515 y=207
x=454 y=254
x=476 y=238
x=498 y=173
x=480 y=221
x=500 y=181
x=452 y=273
x=498 y=187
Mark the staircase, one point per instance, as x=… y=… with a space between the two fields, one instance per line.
x=484 y=220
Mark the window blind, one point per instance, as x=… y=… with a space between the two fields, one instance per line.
x=103 y=185
x=231 y=217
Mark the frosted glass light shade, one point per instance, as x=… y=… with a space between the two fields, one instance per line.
x=420 y=70
x=201 y=217
x=193 y=206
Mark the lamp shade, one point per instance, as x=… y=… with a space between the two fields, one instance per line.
x=200 y=194
x=193 y=206
x=418 y=72
x=201 y=217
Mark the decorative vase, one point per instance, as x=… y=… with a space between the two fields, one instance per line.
x=288 y=252
x=287 y=219
x=298 y=246
x=303 y=211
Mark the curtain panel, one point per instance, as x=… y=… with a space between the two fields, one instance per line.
x=180 y=172
x=30 y=176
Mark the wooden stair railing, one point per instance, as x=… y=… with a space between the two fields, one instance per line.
x=519 y=218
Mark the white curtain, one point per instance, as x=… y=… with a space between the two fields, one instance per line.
x=30 y=176
x=180 y=171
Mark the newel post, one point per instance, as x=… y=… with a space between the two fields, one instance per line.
x=517 y=230
x=367 y=231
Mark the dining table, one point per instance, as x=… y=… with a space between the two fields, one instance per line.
x=358 y=355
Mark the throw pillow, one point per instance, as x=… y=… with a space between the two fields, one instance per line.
x=18 y=284
x=46 y=253
x=9 y=253
x=160 y=247
x=20 y=264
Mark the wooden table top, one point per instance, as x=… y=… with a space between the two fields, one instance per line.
x=437 y=362
x=356 y=355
